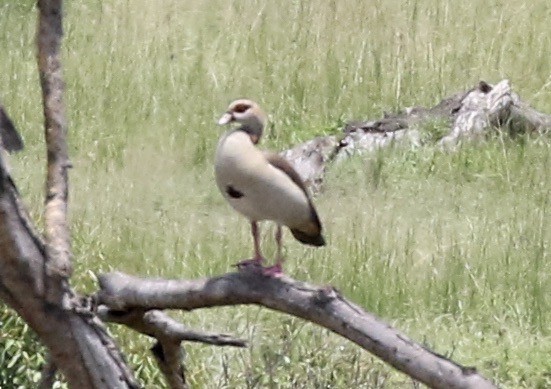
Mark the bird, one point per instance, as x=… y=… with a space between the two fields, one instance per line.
x=262 y=185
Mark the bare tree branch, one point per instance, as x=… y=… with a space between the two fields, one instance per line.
x=77 y=341
x=78 y=344
x=48 y=38
x=158 y=324
x=169 y=333
x=169 y=357
x=33 y=275
x=323 y=306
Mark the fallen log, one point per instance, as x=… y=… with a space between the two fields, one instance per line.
x=468 y=115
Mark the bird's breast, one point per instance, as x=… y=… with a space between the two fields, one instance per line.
x=265 y=192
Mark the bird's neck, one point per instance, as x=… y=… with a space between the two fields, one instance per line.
x=254 y=130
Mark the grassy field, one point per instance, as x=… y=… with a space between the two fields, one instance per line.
x=453 y=249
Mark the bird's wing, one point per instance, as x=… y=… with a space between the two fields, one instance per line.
x=282 y=164
x=310 y=233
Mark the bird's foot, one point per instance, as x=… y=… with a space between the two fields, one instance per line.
x=275 y=271
x=254 y=263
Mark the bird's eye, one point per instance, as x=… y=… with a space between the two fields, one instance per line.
x=240 y=108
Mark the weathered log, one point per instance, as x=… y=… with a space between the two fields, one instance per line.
x=468 y=115
x=81 y=348
x=324 y=306
x=312 y=158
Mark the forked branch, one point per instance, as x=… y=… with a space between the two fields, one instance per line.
x=323 y=306
x=169 y=334
x=159 y=325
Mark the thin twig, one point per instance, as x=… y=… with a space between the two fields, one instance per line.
x=159 y=325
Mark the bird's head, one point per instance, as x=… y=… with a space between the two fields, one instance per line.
x=249 y=115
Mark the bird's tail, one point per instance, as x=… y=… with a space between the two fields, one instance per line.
x=313 y=240
x=310 y=233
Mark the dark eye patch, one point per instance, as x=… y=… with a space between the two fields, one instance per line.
x=240 y=108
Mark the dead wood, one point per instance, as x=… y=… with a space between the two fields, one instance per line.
x=323 y=306
x=78 y=344
x=169 y=334
x=468 y=115
x=158 y=324
x=32 y=273
x=48 y=39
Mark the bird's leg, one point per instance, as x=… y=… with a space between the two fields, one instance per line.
x=278 y=235
x=258 y=258
x=256 y=238
x=277 y=269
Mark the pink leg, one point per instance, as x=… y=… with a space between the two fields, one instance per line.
x=256 y=238
x=278 y=235
x=277 y=269
x=258 y=258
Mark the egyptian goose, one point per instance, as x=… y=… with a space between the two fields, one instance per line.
x=262 y=185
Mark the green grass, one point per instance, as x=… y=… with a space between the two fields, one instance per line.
x=451 y=248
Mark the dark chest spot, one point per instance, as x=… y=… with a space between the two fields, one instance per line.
x=233 y=193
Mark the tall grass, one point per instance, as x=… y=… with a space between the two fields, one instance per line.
x=451 y=248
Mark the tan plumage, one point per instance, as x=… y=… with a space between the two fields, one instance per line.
x=262 y=185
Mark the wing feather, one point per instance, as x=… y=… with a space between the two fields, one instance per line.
x=310 y=233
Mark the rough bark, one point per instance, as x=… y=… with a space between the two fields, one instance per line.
x=324 y=306
x=312 y=158
x=11 y=140
x=169 y=334
x=33 y=273
x=77 y=343
x=48 y=38
x=468 y=116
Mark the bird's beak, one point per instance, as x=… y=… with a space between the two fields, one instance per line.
x=225 y=119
